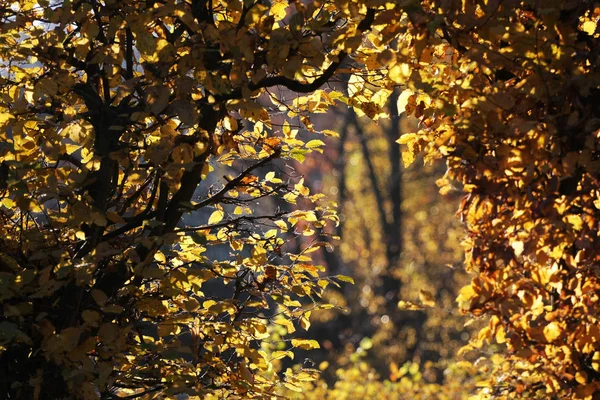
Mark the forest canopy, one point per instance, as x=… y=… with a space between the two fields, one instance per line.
x=161 y=235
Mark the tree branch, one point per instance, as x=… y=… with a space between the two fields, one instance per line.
x=235 y=221
x=128 y=54
x=232 y=184
x=301 y=87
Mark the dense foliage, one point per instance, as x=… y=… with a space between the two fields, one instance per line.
x=144 y=248
x=513 y=108
x=156 y=240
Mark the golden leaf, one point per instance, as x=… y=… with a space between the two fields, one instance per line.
x=408 y=306
x=216 y=217
x=552 y=331
x=589 y=27
x=426 y=298
x=289 y=325
x=518 y=247
x=277 y=355
x=305 y=344
x=403 y=100
x=345 y=278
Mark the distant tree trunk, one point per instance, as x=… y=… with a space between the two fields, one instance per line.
x=341 y=168
x=379 y=196
x=394 y=233
x=390 y=286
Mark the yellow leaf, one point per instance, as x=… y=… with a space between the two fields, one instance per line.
x=399 y=73
x=575 y=221
x=305 y=344
x=277 y=355
x=47 y=86
x=292 y=387
x=306 y=376
x=8 y=203
x=345 y=278
x=315 y=143
x=581 y=377
x=289 y=325
x=216 y=217
x=589 y=27
x=303 y=190
x=500 y=335
x=328 y=132
x=308 y=216
x=98 y=219
x=464 y=296
x=4 y=118
x=230 y=123
x=552 y=331
x=518 y=247
x=278 y=9
x=160 y=257
x=408 y=306
x=426 y=298
x=281 y=225
x=108 y=333
x=145 y=42
x=403 y=100
x=407 y=138
x=113 y=309
x=304 y=323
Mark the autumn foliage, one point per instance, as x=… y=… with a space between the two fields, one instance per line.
x=157 y=239
x=513 y=111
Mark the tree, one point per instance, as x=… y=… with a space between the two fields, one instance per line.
x=509 y=100
x=141 y=253
x=136 y=144
x=506 y=93
x=360 y=172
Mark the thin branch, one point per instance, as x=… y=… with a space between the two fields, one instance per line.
x=128 y=54
x=244 y=218
x=301 y=87
x=232 y=184
x=135 y=195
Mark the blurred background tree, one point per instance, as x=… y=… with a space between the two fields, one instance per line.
x=400 y=240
